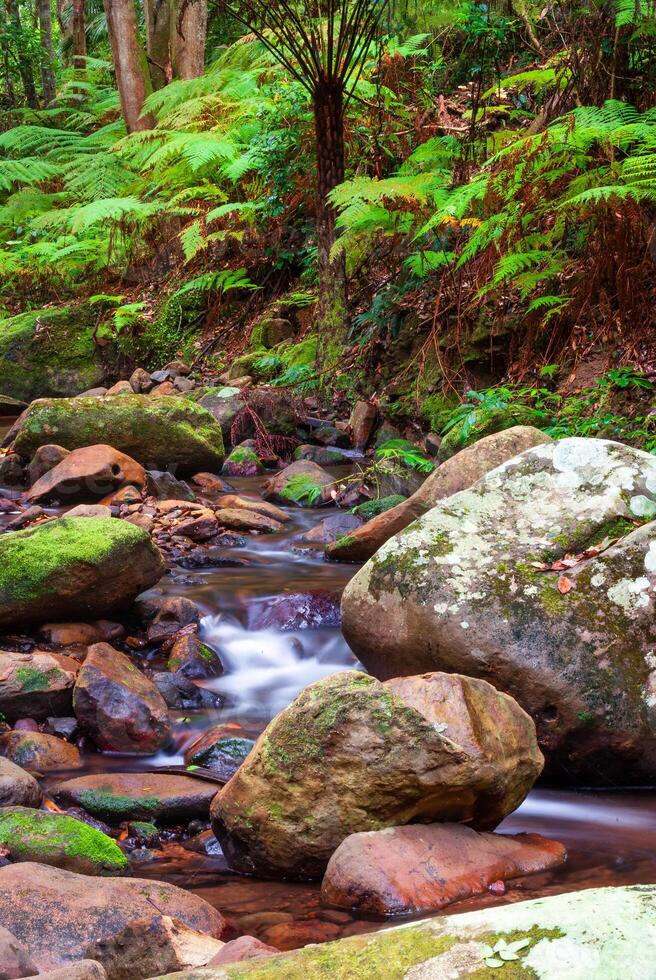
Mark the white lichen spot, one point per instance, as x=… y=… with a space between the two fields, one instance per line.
x=642 y=506
x=650 y=557
x=631 y=594
x=464 y=625
x=598 y=579
x=564 y=957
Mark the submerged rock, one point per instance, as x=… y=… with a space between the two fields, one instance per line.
x=449 y=478
x=352 y=754
x=115 y=797
x=560 y=936
x=59 y=914
x=59 y=840
x=540 y=579
x=35 y=684
x=118 y=705
x=404 y=870
x=157 y=432
x=73 y=566
x=17 y=787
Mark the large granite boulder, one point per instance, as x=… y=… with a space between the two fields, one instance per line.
x=74 y=566
x=598 y=934
x=540 y=578
x=58 y=914
x=157 y=432
x=120 y=707
x=449 y=478
x=36 y=685
x=352 y=754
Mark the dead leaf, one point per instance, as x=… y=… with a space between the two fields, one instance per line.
x=565 y=585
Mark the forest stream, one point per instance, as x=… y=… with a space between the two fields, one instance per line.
x=610 y=835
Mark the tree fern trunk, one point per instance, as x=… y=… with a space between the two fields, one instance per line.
x=48 y=54
x=329 y=128
x=188 y=35
x=129 y=57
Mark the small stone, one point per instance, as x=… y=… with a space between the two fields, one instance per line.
x=210 y=483
x=169 y=616
x=140 y=381
x=361 y=423
x=66 y=634
x=66 y=728
x=184 y=384
x=44 y=460
x=243 y=948
x=194 y=659
x=220 y=750
x=11 y=470
x=182 y=694
x=120 y=388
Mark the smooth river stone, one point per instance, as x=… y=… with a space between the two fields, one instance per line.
x=115 y=797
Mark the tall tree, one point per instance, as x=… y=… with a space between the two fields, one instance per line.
x=188 y=33
x=129 y=57
x=47 y=51
x=24 y=63
x=158 y=17
x=323 y=44
x=79 y=35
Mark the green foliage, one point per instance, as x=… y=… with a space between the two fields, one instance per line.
x=404 y=452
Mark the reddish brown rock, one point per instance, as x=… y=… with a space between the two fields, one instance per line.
x=44 y=460
x=149 y=947
x=39 y=752
x=87 y=473
x=15 y=959
x=449 y=478
x=361 y=423
x=35 y=685
x=66 y=634
x=235 y=502
x=118 y=705
x=17 y=787
x=193 y=659
x=240 y=519
x=405 y=870
x=119 y=796
x=244 y=948
x=210 y=483
x=168 y=616
x=59 y=914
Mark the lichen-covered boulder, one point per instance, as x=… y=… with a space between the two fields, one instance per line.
x=59 y=840
x=50 y=352
x=302 y=483
x=540 y=578
x=74 y=566
x=58 y=914
x=449 y=478
x=35 y=685
x=559 y=936
x=158 y=432
x=17 y=787
x=118 y=705
x=352 y=754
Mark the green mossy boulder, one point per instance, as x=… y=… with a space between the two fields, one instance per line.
x=50 y=352
x=599 y=934
x=158 y=432
x=242 y=461
x=482 y=422
x=372 y=508
x=351 y=754
x=59 y=840
x=302 y=483
x=74 y=567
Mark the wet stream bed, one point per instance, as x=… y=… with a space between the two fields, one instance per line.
x=610 y=835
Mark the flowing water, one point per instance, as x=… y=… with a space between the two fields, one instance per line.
x=610 y=835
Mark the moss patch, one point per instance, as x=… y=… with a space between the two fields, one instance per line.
x=371 y=508
x=114 y=808
x=55 y=838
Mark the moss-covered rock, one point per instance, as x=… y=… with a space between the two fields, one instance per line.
x=59 y=840
x=482 y=584
x=351 y=754
x=561 y=936
x=242 y=461
x=35 y=685
x=321 y=455
x=50 y=352
x=483 y=422
x=302 y=483
x=371 y=508
x=74 y=566
x=157 y=796
x=157 y=432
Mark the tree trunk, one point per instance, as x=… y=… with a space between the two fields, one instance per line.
x=130 y=65
x=158 y=41
x=24 y=65
x=188 y=33
x=79 y=36
x=329 y=131
x=48 y=53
